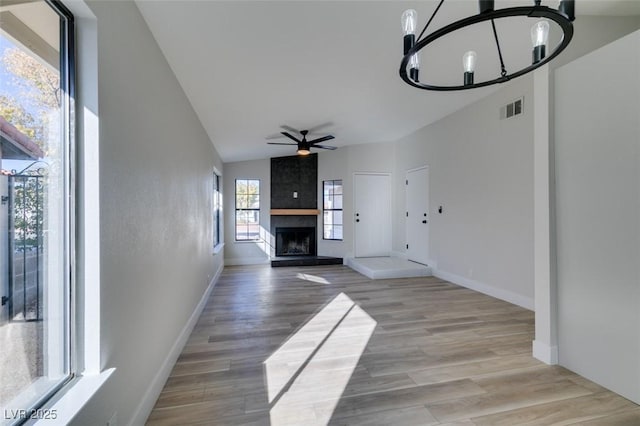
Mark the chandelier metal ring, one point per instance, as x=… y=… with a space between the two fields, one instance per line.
x=537 y=11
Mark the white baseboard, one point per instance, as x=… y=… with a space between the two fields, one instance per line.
x=545 y=353
x=506 y=295
x=246 y=261
x=157 y=384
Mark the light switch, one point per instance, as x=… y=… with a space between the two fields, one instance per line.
x=295 y=194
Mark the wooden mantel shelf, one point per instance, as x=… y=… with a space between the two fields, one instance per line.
x=295 y=212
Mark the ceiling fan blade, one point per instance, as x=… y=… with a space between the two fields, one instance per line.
x=322 y=139
x=291 y=137
x=325 y=147
x=315 y=129
x=275 y=136
x=290 y=129
x=282 y=143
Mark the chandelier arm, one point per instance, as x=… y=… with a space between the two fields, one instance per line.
x=503 y=69
x=430 y=19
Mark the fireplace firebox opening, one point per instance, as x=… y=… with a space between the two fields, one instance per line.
x=298 y=241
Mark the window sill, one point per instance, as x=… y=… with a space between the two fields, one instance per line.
x=218 y=248
x=73 y=398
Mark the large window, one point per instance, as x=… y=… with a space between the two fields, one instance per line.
x=36 y=211
x=247 y=209
x=332 y=206
x=217 y=209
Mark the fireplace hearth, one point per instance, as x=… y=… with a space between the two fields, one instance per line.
x=295 y=241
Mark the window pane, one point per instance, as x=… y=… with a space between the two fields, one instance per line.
x=34 y=254
x=337 y=232
x=328 y=232
x=253 y=201
x=337 y=187
x=241 y=186
x=327 y=218
x=241 y=201
x=337 y=201
x=337 y=217
x=253 y=187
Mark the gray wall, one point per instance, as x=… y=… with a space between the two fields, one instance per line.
x=156 y=165
x=247 y=252
x=597 y=140
x=481 y=173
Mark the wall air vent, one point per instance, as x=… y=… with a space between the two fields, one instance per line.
x=512 y=109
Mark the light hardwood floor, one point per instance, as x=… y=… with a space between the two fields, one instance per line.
x=326 y=345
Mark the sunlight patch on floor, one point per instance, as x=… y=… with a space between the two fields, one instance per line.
x=313 y=278
x=305 y=385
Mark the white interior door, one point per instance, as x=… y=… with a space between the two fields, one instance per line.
x=417 y=193
x=372 y=214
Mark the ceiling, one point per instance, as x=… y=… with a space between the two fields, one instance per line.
x=250 y=67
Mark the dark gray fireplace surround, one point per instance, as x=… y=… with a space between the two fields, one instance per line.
x=294 y=185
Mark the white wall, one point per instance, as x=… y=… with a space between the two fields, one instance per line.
x=590 y=33
x=597 y=141
x=481 y=173
x=247 y=252
x=156 y=165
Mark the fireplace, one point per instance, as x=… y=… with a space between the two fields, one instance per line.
x=298 y=241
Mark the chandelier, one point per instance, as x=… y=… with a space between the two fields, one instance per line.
x=410 y=65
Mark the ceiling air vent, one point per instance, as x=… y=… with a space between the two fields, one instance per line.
x=512 y=109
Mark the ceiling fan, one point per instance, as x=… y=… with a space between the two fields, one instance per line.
x=304 y=146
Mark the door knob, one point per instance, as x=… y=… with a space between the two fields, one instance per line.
x=424 y=221
x=357 y=214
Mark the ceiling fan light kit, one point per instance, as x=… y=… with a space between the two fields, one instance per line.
x=410 y=64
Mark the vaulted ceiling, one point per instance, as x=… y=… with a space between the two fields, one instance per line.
x=250 y=67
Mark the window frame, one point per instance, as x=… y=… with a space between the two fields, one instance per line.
x=217 y=211
x=324 y=209
x=257 y=210
x=32 y=406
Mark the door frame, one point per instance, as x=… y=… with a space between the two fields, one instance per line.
x=406 y=195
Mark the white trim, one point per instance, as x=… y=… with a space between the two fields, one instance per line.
x=218 y=248
x=506 y=295
x=544 y=279
x=415 y=169
x=157 y=384
x=545 y=353
x=73 y=399
x=406 y=204
x=236 y=261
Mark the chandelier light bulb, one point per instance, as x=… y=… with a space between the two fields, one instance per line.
x=414 y=65
x=469 y=61
x=540 y=33
x=409 y=21
x=414 y=62
x=539 y=38
x=469 y=65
